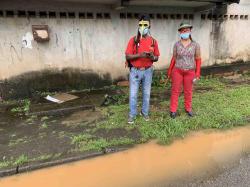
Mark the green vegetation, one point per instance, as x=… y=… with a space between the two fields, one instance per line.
x=44 y=125
x=24 y=109
x=217 y=104
x=99 y=144
x=21 y=160
x=86 y=142
x=218 y=107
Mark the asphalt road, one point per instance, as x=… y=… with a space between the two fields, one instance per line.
x=237 y=176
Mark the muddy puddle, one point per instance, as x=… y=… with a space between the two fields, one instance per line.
x=199 y=155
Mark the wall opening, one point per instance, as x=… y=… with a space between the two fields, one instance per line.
x=123 y=16
x=178 y=16
x=165 y=16
x=43 y=14
x=9 y=13
x=107 y=16
x=158 y=16
x=52 y=14
x=90 y=15
x=71 y=15
x=21 y=13
x=99 y=16
x=82 y=15
x=152 y=16
x=191 y=16
x=129 y=15
x=63 y=15
x=31 y=14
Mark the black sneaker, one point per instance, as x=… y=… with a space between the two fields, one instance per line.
x=146 y=118
x=130 y=120
x=190 y=113
x=173 y=115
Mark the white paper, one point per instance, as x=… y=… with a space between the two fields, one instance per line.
x=49 y=98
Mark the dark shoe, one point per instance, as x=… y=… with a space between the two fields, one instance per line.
x=145 y=117
x=190 y=113
x=130 y=120
x=173 y=115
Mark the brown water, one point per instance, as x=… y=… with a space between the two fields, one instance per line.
x=150 y=164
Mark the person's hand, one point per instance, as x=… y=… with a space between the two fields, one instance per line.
x=197 y=77
x=151 y=56
x=144 y=54
x=126 y=64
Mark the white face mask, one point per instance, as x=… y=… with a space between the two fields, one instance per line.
x=144 y=27
x=143 y=31
x=185 y=35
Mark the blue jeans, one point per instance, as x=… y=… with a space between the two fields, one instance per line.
x=135 y=78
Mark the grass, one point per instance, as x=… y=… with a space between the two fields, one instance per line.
x=21 y=160
x=99 y=144
x=217 y=107
x=220 y=108
x=4 y=164
x=25 y=108
x=44 y=125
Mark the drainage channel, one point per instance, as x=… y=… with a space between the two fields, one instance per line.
x=198 y=155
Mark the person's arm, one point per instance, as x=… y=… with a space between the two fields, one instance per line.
x=172 y=63
x=129 y=54
x=135 y=56
x=170 y=69
x=154 y=56
x=198 y=61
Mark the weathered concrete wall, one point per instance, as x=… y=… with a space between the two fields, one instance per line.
x=234 y=43
x=99 y=44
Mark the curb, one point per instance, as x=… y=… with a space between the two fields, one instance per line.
x=23 y=169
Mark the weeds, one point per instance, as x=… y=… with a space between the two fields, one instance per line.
x=220 y=108
x=21 y=160
x=24 y=109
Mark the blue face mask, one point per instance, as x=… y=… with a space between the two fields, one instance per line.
x=143 y=31
x=185 y=35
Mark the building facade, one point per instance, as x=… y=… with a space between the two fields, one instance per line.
x=91 y=36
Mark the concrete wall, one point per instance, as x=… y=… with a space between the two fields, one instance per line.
x=99 y=44
x=234 y=43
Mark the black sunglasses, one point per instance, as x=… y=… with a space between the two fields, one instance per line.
x=145 y=25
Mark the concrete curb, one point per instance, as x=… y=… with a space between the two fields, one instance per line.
x=23 y=169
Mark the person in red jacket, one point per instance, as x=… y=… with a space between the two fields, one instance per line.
x=184 y=69
x=142 y=51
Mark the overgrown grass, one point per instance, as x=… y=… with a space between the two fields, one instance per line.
x=24 y=109
x=220 y=108
x=21 y=160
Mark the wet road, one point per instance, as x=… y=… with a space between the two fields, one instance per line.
x=237 y=176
